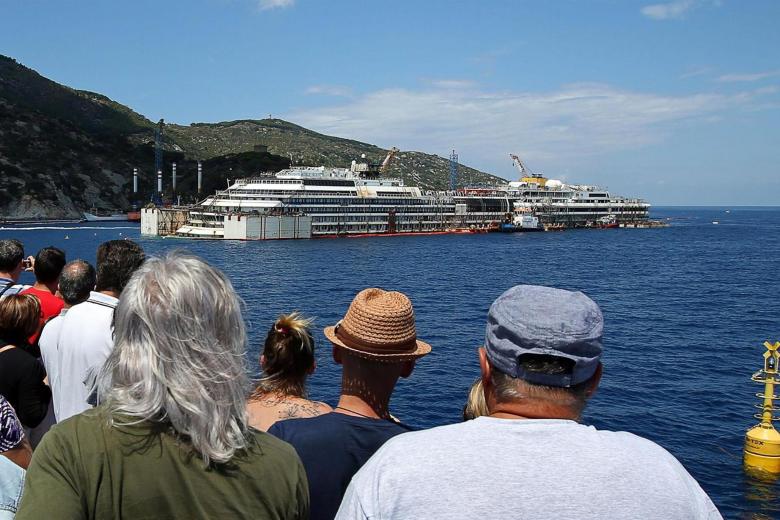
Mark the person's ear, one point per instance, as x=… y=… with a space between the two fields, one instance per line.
x=593 y=382
x=262 y=361
x=407 y=367
x=313 y=367
x=336 y=355
x=484 y=367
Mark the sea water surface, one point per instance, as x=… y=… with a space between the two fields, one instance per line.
x=687 y=309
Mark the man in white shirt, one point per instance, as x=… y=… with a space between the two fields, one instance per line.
x=12 y=263
x=86 y=331
x=529 y=458
x=76 y=282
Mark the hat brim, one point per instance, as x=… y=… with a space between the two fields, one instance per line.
x=422 y=349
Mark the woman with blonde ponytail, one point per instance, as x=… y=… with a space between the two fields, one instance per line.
x=287 y=360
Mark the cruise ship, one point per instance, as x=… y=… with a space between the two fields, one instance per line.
x=361 y=200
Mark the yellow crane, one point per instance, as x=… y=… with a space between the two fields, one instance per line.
x=527 y=175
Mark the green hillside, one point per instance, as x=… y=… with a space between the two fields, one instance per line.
x=63 y=151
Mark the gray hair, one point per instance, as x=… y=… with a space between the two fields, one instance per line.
x=76 y=281
x=179 y=355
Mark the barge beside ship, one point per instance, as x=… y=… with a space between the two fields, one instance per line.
x=315 y=202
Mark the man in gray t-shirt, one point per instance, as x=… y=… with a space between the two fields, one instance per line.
x=529 y=458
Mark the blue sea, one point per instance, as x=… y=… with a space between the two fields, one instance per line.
x=687 y=309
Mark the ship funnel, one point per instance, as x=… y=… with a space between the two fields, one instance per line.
x=173 y=178
x=135 y=180
x=159 y=181
x=200 y=176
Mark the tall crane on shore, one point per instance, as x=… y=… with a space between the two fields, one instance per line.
x=453 y=171
x=158 y=138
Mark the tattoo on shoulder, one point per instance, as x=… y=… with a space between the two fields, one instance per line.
x=292 y=410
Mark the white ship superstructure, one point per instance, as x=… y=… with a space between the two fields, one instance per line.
x=343 y=201
x=360 y=201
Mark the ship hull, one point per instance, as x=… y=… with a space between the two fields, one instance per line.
x=116 y=217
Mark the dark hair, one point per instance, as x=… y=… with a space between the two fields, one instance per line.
x=48 y=264
x=76 y=281
x=11 y=253
x=20 y=316
x=117 y=260
x=289 y=356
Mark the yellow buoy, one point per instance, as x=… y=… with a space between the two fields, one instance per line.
x=762 y=442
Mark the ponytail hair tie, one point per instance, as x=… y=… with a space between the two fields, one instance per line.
x=282 y=330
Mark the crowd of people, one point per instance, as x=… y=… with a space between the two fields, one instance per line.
x=124 y=393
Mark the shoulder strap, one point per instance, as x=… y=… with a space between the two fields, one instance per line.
x=7 y=286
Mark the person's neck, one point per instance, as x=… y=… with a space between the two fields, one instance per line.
x=359 y=407
x=110 y=292
x=45 y=287
x=366 y=388
x=8 y=276
x=533 y=410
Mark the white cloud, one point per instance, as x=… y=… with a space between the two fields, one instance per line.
x=696 y=71
x=265 y=5
x=330 y=90
x=669 y=10
x=757 y=76
x=556 y=129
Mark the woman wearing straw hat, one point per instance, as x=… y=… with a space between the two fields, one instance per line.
x=376 y=344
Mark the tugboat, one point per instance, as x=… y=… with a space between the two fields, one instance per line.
x=523 y=221
x=607 y=222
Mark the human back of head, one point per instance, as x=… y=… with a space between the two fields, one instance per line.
x=11 y=255
x=116 y=262
x=19 y=318
x=542 y=350
x=288 y=356
x=376 y=341
x=179 y=355
x=76 y=281
x=49 y=262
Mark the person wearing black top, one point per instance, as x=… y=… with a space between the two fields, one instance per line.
x=376 y=344
x=22 y=376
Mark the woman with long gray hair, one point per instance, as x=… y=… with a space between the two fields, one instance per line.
x=170 y=437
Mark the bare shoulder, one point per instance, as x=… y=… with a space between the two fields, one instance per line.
x=296 y=407
x=322 y=407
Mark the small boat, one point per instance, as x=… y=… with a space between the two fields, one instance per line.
x=96 y=215
x=715 y=222
x=608 y=222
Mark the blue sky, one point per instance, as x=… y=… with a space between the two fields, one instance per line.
x=674 y=101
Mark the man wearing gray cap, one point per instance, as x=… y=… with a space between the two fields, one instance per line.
x=529 y=458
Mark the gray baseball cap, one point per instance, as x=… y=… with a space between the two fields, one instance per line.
x=530 y=319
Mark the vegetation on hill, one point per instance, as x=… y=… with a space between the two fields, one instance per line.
x=63 y=151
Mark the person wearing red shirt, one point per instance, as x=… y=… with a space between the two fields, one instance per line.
x=47 y=267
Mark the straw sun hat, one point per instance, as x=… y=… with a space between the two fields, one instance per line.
x=379 y=325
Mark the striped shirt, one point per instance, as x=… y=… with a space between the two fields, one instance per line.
x=8 y=287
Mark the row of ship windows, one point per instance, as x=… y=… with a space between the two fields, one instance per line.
x=384 y=203
x=406 y=218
